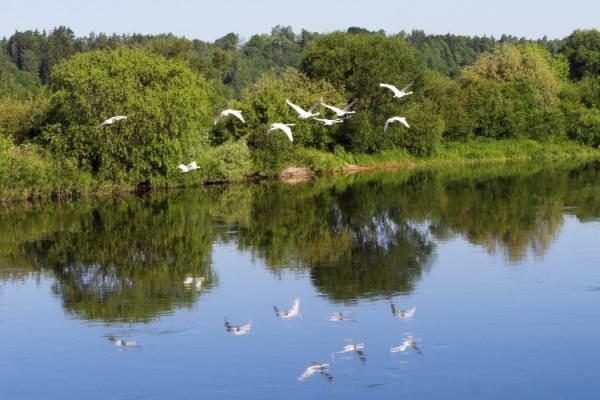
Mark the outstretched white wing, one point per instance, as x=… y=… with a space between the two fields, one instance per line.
x=111 y=120
x=296 y=108
x=336 y=110
x=225 y=113
x=392 y=88
x=284 y=128
x=407 y=87
x=402 y=120
x=238 y=115
x=295 y=310
x=308 y=372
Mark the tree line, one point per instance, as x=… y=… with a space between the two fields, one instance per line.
x=56 y=87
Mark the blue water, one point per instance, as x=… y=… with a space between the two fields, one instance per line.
x=497 y=317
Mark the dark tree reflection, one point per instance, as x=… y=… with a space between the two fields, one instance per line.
x=126 y=260
x=357 y=237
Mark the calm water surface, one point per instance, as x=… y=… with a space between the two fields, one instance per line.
x=502 y=264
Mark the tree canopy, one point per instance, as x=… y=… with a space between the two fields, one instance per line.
x=167 y=105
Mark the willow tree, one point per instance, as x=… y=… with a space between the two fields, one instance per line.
x=167 y=105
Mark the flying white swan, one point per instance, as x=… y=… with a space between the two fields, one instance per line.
x=111 y=121
x=238 y=330
x=284 y=128
x=193 y=281
x=329 y=122
x=402 y=120
x=408 y=343
x=291 y=313
x=405 y=314
x=187 y=168
x=302 y=114
x=398 y=94
x=316 y=368
x=228 y=112
x=343 y=111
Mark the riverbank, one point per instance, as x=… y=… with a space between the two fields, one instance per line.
x=30 y=174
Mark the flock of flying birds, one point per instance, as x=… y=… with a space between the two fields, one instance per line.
x=340 y=113
x=196 y=282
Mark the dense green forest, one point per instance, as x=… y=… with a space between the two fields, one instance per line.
x=469 y=92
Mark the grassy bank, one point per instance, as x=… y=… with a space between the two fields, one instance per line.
x=30 y=173
x=452 y=153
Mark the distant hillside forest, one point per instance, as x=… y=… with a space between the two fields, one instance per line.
x=55 y=88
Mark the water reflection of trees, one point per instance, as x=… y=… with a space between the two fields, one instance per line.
x=350 y=235
x=121 y=260
x=362 y=236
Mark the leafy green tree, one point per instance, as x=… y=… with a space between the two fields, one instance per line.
x=28 y=50
x=60 y=45
x=230 y=41
x=514 y=92
x=581 y=105
x=359 y=63
x=16 y=83
x=582 y=49
x=20 y=117
x=265 y=103
x=166 y=103
x=528 y=64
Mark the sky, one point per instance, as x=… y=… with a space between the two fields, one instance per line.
x=209 y=20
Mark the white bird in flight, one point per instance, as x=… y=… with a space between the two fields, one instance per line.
x=228 y=112
x=343 y=111
x=329 y=122
x=187 y=168
x=284 y=128
x=405 y=314
x=111 y=121
x=392 y=120
x=238 y=330
x=408 y=343
x=302 y=114
x=291 y=313
x=398 y=93
x=316 y=368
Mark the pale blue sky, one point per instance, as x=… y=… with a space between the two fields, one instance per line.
x=208 y=20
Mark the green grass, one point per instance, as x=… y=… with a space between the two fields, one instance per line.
x=451 y=153
x=30 y=173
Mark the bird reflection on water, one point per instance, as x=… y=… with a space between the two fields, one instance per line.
x=316 y=368
x=357 y=348
x=123 y=343
x=238 y=330
x=404 y=314
x=409 y=342
x=341 y=316
x=291 y=313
